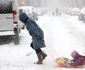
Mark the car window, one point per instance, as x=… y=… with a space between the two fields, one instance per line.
x=6 y=8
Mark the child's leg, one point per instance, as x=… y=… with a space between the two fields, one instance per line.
x=39 y=55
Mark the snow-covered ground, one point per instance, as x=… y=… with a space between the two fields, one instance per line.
x=63 y=34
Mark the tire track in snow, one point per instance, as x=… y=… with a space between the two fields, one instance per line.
x=80 y=35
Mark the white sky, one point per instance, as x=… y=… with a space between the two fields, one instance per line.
x=63 y=3
x=55 y=3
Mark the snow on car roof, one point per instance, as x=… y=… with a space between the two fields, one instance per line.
x=82 y=10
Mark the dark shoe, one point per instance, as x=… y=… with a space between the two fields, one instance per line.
x=39 y=59
x=38 y=62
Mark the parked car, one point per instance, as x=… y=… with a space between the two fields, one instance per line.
x=34 y=15
x=39 y=11
x=9 y=25
x=75 y=11
x=30 y=11
x=69 y=11
x=81 y=16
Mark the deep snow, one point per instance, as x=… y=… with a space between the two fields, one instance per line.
x=63 y=34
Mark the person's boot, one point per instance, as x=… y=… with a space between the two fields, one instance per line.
x=39 y=59
x=44 y=55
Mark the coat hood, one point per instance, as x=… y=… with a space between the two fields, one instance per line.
x=23 y=17
x=75 y=54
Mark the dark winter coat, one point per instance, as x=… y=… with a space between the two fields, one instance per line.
x=79 y=60
x=34 y=30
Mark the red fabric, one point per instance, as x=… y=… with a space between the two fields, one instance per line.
x=80 y=60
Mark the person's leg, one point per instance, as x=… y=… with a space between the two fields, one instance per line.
x=38 y=50
x=41 y=55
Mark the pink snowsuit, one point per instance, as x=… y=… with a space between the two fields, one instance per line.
x=78 y=60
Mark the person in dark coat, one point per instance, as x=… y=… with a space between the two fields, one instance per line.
x=78 y=59
x=57 y=11
x=37 y=36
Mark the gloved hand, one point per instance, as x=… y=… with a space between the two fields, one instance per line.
x=67 y=63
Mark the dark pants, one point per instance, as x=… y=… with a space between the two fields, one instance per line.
x=36 y=50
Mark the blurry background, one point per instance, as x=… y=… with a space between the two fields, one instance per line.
x=53 y=3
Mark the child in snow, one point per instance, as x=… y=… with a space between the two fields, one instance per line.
x=37 y=36
x=78 y=60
